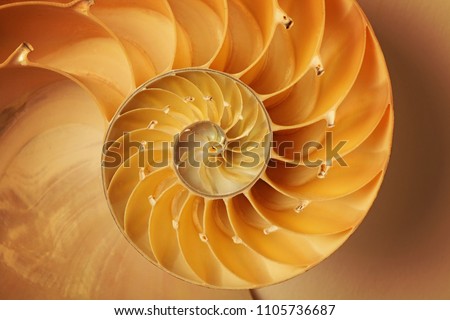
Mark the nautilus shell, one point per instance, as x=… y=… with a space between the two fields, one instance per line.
x=236 y=143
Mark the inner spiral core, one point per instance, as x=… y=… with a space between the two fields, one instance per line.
x=224 y=156
x=209 y=127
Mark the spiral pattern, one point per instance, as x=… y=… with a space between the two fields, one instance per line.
x=240 y=78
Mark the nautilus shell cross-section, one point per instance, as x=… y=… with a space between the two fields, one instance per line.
x=234 y=143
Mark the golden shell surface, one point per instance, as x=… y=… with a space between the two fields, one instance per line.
x=296 y=71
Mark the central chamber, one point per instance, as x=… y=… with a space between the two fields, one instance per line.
x=226 y=146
